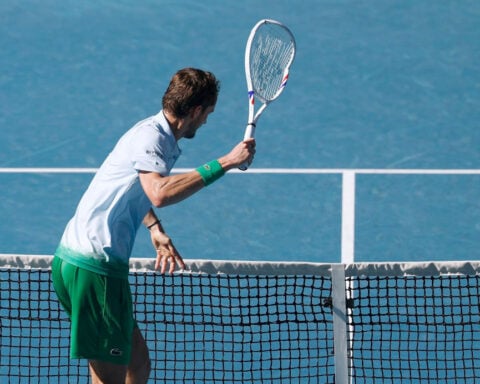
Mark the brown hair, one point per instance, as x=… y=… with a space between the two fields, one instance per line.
x=190 y=88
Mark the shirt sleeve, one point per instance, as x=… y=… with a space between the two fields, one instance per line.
x=151 y=152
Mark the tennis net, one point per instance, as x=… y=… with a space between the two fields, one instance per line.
x=259 y=322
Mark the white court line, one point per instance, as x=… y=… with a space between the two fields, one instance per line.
x=48 y=170
x=273 y=171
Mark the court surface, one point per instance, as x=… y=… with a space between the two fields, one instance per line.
x=375 y=85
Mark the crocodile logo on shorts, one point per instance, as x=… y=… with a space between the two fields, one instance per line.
x=116 y=352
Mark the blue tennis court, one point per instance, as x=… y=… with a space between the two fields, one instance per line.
x=375 y=85
x=380 y=116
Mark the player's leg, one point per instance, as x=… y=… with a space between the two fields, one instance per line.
x=139 y=368
x=103 y=372
x=137 y=371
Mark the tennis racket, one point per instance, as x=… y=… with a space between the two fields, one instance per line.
x=269 y=54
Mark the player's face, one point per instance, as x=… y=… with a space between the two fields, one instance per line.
x=197 y=121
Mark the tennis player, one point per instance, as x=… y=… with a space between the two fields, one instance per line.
x=90 y=268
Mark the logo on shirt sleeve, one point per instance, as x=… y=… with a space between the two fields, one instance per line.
x=153 y=153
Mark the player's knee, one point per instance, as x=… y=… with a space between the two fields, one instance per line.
x=107 y=373
x=140 y=364
x=146 y=366
x=139 y=372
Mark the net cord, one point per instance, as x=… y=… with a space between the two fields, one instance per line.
x=246 y=267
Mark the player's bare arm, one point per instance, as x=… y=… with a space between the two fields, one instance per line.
x=167 y=254
x=167 y=190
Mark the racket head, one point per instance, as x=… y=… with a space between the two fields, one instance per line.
x=269 y=53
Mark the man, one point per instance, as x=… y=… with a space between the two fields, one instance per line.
x=90 y=267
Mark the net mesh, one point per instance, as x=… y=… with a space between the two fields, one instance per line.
x=270 y=324
x=422 y=329
x=200 y=328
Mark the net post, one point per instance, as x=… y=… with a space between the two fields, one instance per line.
x=348 y=257
x=348 y=216
x=340 y=338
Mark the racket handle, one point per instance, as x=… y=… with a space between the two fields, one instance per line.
x=249 y=133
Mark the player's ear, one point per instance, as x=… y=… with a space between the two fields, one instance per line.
x=196 y=111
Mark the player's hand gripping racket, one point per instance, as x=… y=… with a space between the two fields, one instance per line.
x=269 y=54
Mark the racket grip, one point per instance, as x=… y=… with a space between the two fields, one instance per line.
x=249 y=133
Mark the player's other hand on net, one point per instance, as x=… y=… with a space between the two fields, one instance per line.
x=168 y=257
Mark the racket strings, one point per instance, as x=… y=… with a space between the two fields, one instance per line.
x=271 y=53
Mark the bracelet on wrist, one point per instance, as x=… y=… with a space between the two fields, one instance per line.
x=153 y=224
x=211 y=172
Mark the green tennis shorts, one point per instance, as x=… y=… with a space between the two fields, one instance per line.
x=100 y=310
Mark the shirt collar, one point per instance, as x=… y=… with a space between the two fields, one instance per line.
x=163 y=122
x=164 y=125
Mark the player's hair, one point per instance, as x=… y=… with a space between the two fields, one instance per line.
x=190 y=88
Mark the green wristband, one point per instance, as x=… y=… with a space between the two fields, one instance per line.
x=211 y=172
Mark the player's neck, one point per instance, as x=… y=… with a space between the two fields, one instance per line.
x=175 y=123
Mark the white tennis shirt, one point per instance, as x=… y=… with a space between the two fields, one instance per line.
x=101 y=234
